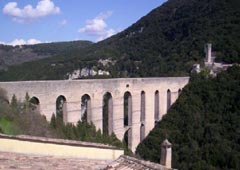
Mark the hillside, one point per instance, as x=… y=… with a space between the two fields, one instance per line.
x=165 y=42
x=10 y=55
x=203 y=125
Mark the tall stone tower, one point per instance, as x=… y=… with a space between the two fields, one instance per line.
x=166 y=154
x=209 y=53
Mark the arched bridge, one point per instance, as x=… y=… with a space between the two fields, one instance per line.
x=131 y=106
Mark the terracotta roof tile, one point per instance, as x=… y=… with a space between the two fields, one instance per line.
x=129 y=163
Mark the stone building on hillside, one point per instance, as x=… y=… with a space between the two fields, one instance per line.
x=209 y=62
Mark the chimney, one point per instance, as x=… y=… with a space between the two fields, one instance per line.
x=166 y=154
x=209 y=53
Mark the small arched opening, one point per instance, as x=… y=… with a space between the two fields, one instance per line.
x=86 y=108
x=142 y=132
x=127 y=139
x=143 y=107
x=107 y=113
x=156 y=107
x=179 y=92
x=61 y=108
x=143 y=115
x=127 y=104
x=168 y=99
x=35 y=104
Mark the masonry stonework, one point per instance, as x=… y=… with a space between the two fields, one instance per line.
x=47 y=93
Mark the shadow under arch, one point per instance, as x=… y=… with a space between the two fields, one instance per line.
x=86 y=110
x=61 y=108
x=179 y=92
x=156 y=107
x=127 y=138
x=127 y=107
x=142 y=115
x=169 y=100
x=35 y=103
x=107 y=113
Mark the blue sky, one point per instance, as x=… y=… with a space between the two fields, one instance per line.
x=35 y=21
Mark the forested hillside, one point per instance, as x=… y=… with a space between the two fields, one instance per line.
x=203 y=125
x=10 y=55
x=165 y=42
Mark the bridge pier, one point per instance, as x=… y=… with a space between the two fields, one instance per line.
x=135 y=126
x=174 y=96
x=97 y=111
x=73 y=112
x=47 y=109
x=163 y=103
x=149 y=122
x=118 y=116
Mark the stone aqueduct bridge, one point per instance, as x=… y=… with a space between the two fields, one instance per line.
x=147 y=100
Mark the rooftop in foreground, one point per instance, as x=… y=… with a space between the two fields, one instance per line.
x=30 y=152
x=17 y=161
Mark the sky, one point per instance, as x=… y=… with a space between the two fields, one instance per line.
x=41 y=21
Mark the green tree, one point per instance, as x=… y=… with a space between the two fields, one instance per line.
x=14 y=104
x=53 y=122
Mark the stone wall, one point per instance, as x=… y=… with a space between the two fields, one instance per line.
x=57 y=147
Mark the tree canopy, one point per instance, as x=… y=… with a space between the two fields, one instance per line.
x=203 y=125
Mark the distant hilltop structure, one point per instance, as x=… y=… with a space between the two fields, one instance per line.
x=209 y=62
x=210 y=57
x=101 y=68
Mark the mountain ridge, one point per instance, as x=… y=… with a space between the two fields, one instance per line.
x=15 y=55
x=165 y=42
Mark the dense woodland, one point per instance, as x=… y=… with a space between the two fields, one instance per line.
x=203 y=125
x=10 y=56
x=166 y=42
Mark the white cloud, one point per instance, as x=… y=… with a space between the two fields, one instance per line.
x=22 y=42
x=28 y=13
x=107 y=34
x=33 y=41
x=98 y=27
x=17 y=42
x=104 y=15
x=63 y=22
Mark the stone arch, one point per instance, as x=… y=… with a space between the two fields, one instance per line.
x=142 y=132
x=127 y=139
x=169 y=100
x=142 y=115
x=107 y=113
x=179 y=92
x=127 y=104
x=86 y=111
x=35 y=103
x=156 y=107
x=61 y=108
x=143 y=106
